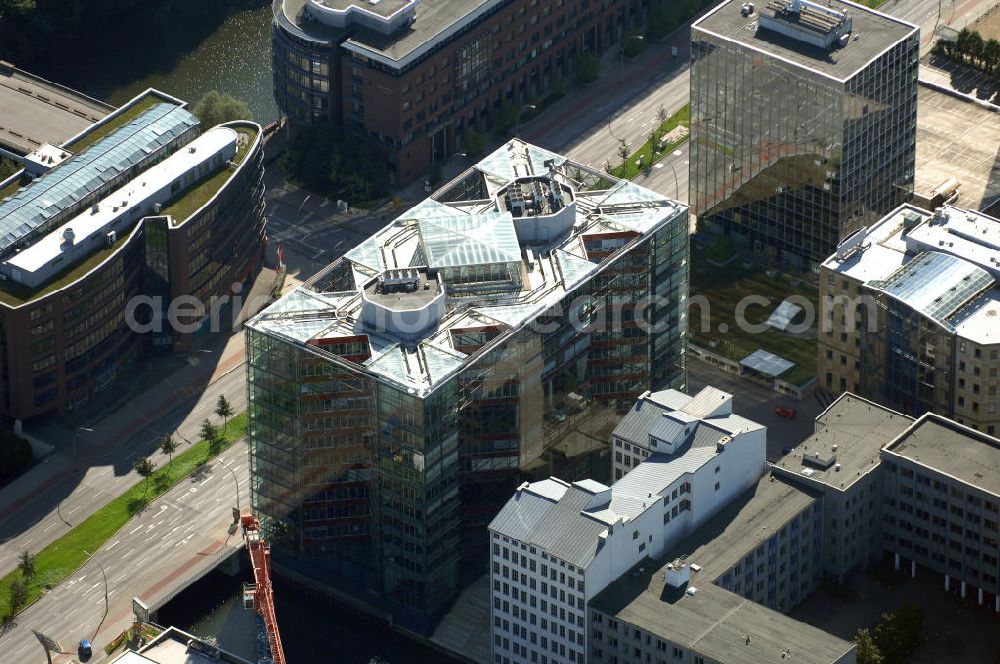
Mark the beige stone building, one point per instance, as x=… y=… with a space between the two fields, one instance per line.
x=910 y=315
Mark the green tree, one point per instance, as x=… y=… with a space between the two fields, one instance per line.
x=867 y=651
x=223 y=409
x=991 y=55
x=26 y=563
x=587 y=67
x=899 y=632
x=209 y=431
x=145 y=467
x=623 y=151
x=18 y=596
x=504 y=118
x=216 y=108
x=8 y=167
x=15 y=455
x=975 y=46
x=168 y=446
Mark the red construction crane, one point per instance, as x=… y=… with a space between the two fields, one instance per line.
x=259 y=595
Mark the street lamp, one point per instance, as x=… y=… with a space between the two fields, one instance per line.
x=105 y=576
x=517 y=124
x=235 y=479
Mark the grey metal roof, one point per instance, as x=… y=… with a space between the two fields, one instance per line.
x=708 y=401
x=81 y=175
x=555 y=525
x=641 y=486
x=936 y=285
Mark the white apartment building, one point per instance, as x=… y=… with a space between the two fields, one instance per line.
x=556 y=545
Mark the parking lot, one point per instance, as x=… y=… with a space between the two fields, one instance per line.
x=957 y=139
x=757 y=402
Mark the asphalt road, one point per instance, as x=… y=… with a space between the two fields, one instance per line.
x=185 y=532
x=39 y=522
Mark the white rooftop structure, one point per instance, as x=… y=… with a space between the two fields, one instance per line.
x=944 y=264
x=573 y=521
x=117 y=212
x=529 y=236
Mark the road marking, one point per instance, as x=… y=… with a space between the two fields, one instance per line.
x=116 y=542
x=130 y=552
x=137 y=529
x=26 y=543
x=49 y=527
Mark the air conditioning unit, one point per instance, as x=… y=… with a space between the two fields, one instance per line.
x=111 y=237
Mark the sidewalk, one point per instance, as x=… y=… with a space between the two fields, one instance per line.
x=52 y=497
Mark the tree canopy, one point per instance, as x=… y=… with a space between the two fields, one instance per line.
x=216 y=108
x=323 y=159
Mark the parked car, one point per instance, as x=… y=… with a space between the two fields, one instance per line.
x=85 y=650
x=786 y=412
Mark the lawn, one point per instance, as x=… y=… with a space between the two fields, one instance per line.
x=646 y=151
x=64 y=556
x=192 y=200
x=724 y=288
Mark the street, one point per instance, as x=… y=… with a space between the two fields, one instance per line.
x=184 y=531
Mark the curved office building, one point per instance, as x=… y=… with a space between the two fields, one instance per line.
x=301 y=63
x=99 y=235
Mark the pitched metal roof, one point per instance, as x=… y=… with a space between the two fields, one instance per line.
x=936 y=285
x=83 y=174
x=555 y=525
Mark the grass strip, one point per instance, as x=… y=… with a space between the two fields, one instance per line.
x=650 y=152
x=61 y=558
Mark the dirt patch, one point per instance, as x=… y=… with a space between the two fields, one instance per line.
x=988 y=25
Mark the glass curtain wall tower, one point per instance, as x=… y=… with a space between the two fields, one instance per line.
x=491 y=334
x=803 y=123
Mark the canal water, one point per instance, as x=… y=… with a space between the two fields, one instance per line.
x=186 y=49
x=183 y=47
x=311 y=630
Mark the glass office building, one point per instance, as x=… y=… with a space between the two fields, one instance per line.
x=803 y=123
x=493 y=333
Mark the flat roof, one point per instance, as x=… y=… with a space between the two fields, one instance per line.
x=132 y=200
x=858 y=428
x=606 y=220
x=945 y=265
x=715 y=622
x=435 y=22
x=950 y=448
x=50 y=194
x=171 y=647
x=873 y=32
x=36 y=111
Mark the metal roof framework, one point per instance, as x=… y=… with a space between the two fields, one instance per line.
x=63 y=187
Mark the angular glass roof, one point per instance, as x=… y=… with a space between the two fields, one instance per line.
x=936 y=285
x=574 y=269
x=469 y=239
x=82 y=174
x=500 y=165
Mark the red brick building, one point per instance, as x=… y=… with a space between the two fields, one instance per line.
x=415 y=77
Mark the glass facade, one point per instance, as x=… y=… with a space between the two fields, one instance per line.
x=788 y=160
x=381 y=490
